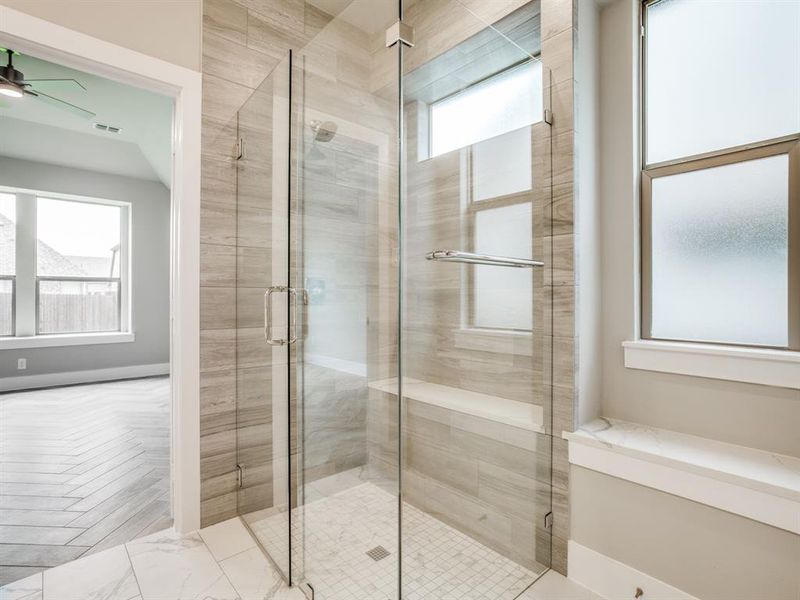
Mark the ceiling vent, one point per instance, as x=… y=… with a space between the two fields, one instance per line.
x=108 y=128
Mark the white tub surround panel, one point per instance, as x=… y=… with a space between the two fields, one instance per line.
x=762 y=486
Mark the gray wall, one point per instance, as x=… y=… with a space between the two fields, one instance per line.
x=150 y=202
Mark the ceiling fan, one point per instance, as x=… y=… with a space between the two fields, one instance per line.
x=14 y=85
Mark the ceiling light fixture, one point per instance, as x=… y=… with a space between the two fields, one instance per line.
x=10 y=90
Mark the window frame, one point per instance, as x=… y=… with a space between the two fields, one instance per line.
x=788 y=145
x=13 y=280
x=30 y=330
x=429 y=106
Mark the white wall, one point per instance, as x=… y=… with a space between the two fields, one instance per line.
x=751 y=415
x=167 y=29
x=587 y=217
x=150 y=210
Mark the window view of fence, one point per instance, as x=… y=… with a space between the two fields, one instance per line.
x=6 y=305
x=77 y=305
x=78 y=267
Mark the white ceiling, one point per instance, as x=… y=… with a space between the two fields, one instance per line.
x=33 y=130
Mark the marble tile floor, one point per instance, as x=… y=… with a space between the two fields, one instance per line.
x=440 y=562
x=221 y=562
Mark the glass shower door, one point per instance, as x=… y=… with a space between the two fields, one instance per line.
x=264 y=328
x=394 y=292
x=345 y=237
x=475 y=389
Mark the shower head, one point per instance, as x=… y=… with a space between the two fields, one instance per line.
x=323 y=130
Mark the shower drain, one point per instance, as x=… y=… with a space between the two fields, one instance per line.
x=378 y=553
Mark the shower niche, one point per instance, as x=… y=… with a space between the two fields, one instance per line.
x=393 y=312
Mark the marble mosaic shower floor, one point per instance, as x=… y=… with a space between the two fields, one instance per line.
x=440 y=562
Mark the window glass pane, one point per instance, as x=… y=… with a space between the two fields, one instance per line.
x=720 y=254
x=502 y=165
x=6 y=307
x=77 y=239
x=8 y=234
x=503 y=296
x=720 y=73
x=78 y=306
x=507 y=101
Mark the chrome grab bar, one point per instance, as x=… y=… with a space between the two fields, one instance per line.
x=483 y=259
x=292 y=315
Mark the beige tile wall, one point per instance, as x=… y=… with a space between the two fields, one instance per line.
x=558 y=31
x=243 y=41
x=242 y=44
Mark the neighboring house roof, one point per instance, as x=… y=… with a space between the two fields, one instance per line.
x=50 y=261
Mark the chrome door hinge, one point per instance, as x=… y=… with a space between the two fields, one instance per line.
x=239 y=149
x=548 y=116
x=548 y=521
x=239 y=476
x=400 y=32
x=641 y=30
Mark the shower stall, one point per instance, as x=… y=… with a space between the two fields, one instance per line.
x=394 y=304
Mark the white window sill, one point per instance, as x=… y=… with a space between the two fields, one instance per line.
x=72 y=339
x=780 y=368
x=762 y=486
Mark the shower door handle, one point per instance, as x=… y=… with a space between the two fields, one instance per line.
x=292 y=329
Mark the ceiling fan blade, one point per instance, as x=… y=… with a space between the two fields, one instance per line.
x=77 y=110
x=62 y=83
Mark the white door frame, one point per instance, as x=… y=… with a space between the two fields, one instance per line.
x=80 y=51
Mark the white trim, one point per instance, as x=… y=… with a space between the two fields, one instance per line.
x=779 y=508
x=80 y=51
x=610 y=578
x=71 y=339
x=30 y=382
x=765 y=366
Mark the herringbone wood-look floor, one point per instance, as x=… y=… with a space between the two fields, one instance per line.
x=82 y=468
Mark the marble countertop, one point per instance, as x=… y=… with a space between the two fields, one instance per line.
x=493 y=408
x=772 y=473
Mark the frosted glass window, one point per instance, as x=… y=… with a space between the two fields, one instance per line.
x=502 y=165
x=720 y=73
x=507 y=101
x=720 y=254
x=503 y=296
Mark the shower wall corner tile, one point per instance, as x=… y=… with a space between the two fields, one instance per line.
x=227 y=19
x=217 y=265
x=557 y=16
x=217 y=308
x=217 y=349
x=243 y=41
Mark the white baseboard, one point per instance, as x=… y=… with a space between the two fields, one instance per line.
x=609 y=578
x=29 y=382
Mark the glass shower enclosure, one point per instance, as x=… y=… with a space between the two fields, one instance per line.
x=394 y=304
